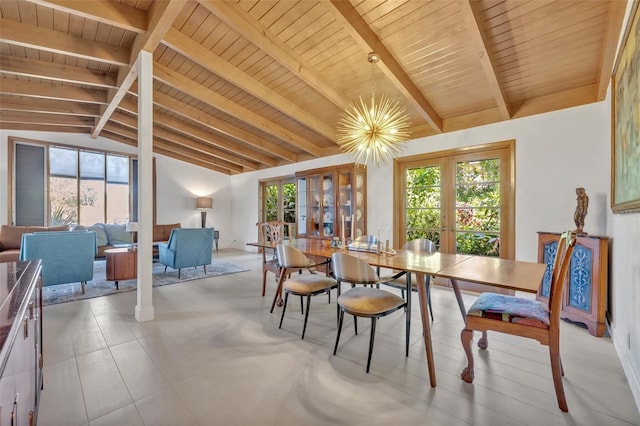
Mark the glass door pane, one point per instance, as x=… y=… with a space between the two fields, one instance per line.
x=288 y=204
x=271 y=203
x=328 y=206
x=302 y=207
x=423 y=210
x=346 y=216
x=315 y=198
x=477 y=215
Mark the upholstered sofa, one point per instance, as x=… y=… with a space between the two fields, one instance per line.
x=11 y=237
x=67 y=257
x=187 y=247
x=109 y=234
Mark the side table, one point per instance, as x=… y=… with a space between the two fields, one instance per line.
x=122 y=264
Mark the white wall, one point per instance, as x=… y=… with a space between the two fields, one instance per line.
x=178 y=183
x=555 y=153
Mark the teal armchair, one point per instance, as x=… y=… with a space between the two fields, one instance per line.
x=67 y=257
x=187 y=247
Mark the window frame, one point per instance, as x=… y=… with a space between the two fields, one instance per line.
x=506 y=150
x=280 y=182
x=13 y=141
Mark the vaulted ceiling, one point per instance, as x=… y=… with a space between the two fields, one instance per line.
x=252 y=84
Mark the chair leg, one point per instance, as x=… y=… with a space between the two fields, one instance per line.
x=281 y=278
x=82 y=284
x=355 y=324
x=205 y=269
x=556 y=371
x=465 y=336
x=306 y=316
x=264 y=282
x=284 y=308
x=165 y=269
x=340 y=319
x=371 y=339
x=179 y=270
x=483 y=343
x=301 y=305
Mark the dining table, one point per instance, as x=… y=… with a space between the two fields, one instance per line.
x=497 y=272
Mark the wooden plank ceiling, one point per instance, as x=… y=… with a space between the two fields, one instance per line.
x=250 y=84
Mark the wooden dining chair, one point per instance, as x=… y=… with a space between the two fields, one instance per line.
x=301 y=284
x=271 y=231
x=419 y=245
x=524 y=317
x=368 y=302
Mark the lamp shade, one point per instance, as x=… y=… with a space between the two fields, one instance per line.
x=131 y=227
x=204 y=203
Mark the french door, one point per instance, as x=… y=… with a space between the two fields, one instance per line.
x=463 y=200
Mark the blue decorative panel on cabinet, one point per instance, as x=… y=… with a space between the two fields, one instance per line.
x=580 y=278
x=585 y=297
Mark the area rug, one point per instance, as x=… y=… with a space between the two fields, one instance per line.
x=99 y=286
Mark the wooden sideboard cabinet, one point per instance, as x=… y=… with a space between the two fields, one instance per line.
x=585 y=294
x=21 y=339
x=327 y=195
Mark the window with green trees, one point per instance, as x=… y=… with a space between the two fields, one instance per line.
x=462 y=200
x=279 y=200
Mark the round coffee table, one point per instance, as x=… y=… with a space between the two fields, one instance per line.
x=122 y=264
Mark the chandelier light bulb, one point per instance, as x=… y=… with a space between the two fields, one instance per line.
x=374 y=132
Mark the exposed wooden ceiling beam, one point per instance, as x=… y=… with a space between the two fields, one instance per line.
x=41 y=128
x=616 y=17
x=169 y=149
x=48 y=106
x=260 y=36
x=227 y=160
x=471 y=16
x=186 y=85
x=25 y=35
x=50 y=119
x=228 y=149
x=161 y=16
x=105 y=11
x=48 y=91
x=217 y=65
x=358 y=29
x=54 y=71
x=221 y=126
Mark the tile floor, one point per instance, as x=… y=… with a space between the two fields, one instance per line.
x=215 y=356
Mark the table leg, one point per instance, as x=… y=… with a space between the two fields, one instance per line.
x=277 y=297
x=408 y=313
x=426 y=327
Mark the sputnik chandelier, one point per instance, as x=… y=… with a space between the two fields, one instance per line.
x=376 y=132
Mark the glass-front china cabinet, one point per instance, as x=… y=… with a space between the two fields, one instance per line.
x=332 y=202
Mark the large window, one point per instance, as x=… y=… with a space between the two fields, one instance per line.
x=80 y=186
x=461 y=199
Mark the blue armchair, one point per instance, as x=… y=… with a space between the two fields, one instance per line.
x=187 y=247
x=67 y=257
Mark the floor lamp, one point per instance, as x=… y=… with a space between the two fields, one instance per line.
x=203 y=204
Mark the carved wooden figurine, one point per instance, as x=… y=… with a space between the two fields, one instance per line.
x=581 y=210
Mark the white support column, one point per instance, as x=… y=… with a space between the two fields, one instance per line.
x=144 y=308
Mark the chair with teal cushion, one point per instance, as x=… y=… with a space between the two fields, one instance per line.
x=187 y=247
x=524 y=317
x=67 y=256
